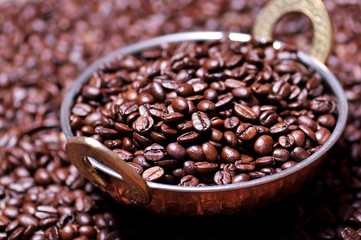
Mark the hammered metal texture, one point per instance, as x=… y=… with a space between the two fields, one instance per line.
x=242 y=200
x=314 y=9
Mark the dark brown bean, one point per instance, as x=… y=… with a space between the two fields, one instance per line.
x=153 y=174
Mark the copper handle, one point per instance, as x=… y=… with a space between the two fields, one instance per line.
x=314 y=9
x=79 y=148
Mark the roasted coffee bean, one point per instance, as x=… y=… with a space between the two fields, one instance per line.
x=68 y=232
x=279 y=128
x=242 y=92
x=231 y=138
x=322 y=135
x=246 y=132
x=185 y=90
x=153 y=174
x=287 y=141
x=281 y=154
x=206 y=167
x=206 y=106
x=189 y=180
x=175 y=150
x=264 y=161
x=216 y=135
x=268 y=118
x=223 y=100
x=188 y=138
x=288 y=165
x=82 y=109
x=154 y=153
x=180 y=104
x=326 y=120
x=210 y=94
x=172 y=118
x=143 y=124
x=222 y=178
x=307 y=121
x=168 y=163
x=189 y=167
x=322 y=105
x=230 y=155
x=245 y=113
x=244 y=167
x=210 y=152
x=300 y=138
x=299 y=154
x=201 y=122
x=308 y=131
x=240 y=178
x=264 y=145
x=231 y=123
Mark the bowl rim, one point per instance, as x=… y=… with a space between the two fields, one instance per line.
x=327 y=75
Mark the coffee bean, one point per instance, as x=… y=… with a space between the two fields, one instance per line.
x=222 y=178
x=4 y=221
x=264 y=161
x=231 y=138
x=240 y=178
x=154 y=153
x=279 y=128
x=143 y=124
x=175 y=150
x=299 y=154
x=245 y=112
x=201 y=122
x=185 y=90
x=288 y=164
x=287 y=141
x=326 y=120
x=153 y=174
x=229 y=154
x=188 y=138
x=268 y=118
x=322 y=105
x=87 y=231
x=195 y=152
x=223 y=100
x=206 y=167
x=231 y=123
x=322 y=135
x=210 y=94
x=82 y=109
x=210 y=152
x=264 y=145
x=300 y=138
x=281 y=154
x=26 y=220
x=242 y=92
x=68 y=232
x=180 y=104
x=246 y=132
x=206 y=106
x=188 y=180
x=309 y=122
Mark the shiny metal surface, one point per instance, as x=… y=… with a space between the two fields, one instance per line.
x=313 y=9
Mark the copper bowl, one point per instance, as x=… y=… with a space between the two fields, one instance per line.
x=106 y=170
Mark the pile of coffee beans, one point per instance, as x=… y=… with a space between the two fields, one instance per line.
x=206 y=113
x=45 y=45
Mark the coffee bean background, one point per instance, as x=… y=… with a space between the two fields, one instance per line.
x=44 y=45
